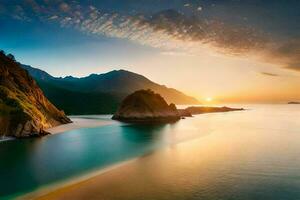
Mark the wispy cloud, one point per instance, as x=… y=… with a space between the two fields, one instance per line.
x=269 y=74
x=176 y=53
x=287 y=53
x=169 y=30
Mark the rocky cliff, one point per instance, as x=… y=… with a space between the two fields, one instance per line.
x=24 y=110
x=146 y=106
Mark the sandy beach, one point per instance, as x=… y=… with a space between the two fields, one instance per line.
x=80 y=122
x=77 y=123
x=139 y=178
x=44 y=192
x=112 y=182
x=170 y=173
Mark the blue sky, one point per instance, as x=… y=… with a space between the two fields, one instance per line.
x=257 y=40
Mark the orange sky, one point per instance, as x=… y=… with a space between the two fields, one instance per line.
x=230 y=51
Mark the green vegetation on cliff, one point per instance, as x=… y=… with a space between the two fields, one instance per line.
x=80 y=103
x=24 y=110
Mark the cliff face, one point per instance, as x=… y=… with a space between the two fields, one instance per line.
x=24 y=110
x=145 y=105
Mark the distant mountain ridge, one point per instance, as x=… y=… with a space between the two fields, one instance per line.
x=109 y=89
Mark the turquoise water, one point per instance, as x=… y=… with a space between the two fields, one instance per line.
x=28 y=164
x=253 y=154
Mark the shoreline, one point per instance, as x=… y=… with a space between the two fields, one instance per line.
x=45 y=190
x=86 y=182
x=79 y=122
x=3 y=139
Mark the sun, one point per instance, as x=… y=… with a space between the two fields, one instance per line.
x=208 y=99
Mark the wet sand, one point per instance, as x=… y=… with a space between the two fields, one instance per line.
x=144 y=178
x=43 y=192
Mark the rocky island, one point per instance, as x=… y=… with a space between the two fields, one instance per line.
x=293 y=102
x=195 y=110
x=148 y=106
x=24 y=110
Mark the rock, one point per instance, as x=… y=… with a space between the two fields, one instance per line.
x=294 y=102
x=194 y=110
x=24 y=110
x=184 y=113
x=146 y=106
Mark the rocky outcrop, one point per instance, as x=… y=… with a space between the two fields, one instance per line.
x=146 y=106
x=24 y=110
x=195 y=110
x=293 y=102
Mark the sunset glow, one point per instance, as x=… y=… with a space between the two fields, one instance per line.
x=202 y=48
x=208 y=99
x=150 y=99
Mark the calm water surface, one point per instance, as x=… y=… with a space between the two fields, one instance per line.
x=253 y=154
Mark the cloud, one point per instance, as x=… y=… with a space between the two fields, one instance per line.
x=169 y=30
x=176 y=53
x=64 y=7
x=268 y=74
x=35 y=7
x=286 y=53
x=173 y=31
x=19 y=13
x=53 y=17
x=294 y=66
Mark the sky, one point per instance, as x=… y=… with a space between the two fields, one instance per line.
x=239 y=51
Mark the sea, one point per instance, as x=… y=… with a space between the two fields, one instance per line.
x=240 y=155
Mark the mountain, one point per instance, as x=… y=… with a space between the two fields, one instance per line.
x=37 y=73
x=109 y=89
x=80 y=103
x=24 y=110
x=146 y=106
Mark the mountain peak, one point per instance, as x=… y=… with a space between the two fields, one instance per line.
x=115 y=84
x=69 y=78
x=122 y=72
x=37 y=73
